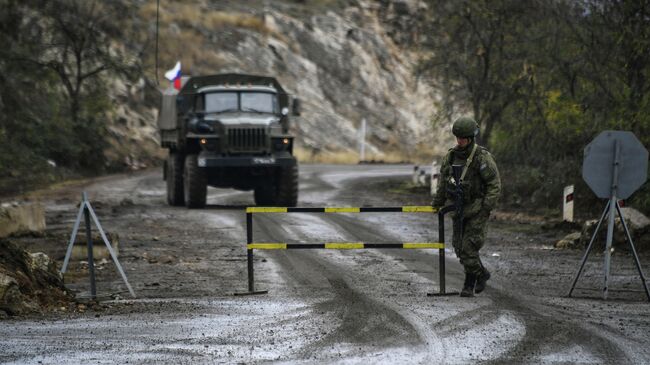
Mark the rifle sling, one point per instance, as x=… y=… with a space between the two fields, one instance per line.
x=468 y=162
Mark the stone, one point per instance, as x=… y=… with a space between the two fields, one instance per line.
x=12 y=301
x=29 y=282
x=572 y=240
x=6 y=282
x=635 y=220
x=637 y=223
x=80 y=248
x=21 y=217
x=41 y=261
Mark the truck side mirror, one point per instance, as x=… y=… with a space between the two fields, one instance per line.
x=296 y=107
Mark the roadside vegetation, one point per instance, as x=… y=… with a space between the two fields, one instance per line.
x=543 y=78
x=54 y=100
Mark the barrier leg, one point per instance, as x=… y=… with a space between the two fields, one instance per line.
x=250 y=257
x=91 y=262
x=251 y=272
x=441 y=259
x=636 y=257
x=586 y=254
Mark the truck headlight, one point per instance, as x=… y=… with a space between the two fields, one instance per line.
x=209 y=144
x=281 y=144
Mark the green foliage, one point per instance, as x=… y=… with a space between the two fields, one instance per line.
x=52 y=118
x=559 y=73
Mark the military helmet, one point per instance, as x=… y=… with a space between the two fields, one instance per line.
x=465 y=127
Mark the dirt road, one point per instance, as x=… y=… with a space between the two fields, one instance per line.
x=347 y=306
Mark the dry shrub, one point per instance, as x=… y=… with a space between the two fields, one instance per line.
x=188 y=45
x=196 y=16
x=219 y=19
x=334 y=157
x=308 y=155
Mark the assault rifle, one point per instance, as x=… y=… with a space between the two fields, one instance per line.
x=458 y=195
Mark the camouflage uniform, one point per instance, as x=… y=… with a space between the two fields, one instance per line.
x=481 y=187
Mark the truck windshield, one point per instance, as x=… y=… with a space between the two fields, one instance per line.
x=221 y=102
x=247 y=101
x=259 y=102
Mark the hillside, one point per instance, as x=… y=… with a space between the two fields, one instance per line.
x=345 y=60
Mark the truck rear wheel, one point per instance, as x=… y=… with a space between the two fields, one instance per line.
x=195 y=183
x=287 y=186
x=174 y=179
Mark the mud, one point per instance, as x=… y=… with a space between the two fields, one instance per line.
x=323 y=306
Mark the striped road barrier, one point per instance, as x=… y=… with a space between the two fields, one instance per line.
x=251 y=245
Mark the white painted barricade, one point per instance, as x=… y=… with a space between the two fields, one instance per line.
x=435 y=176
x=414 y=178
x=567 y=205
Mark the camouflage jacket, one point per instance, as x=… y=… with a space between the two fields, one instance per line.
x=481 y=185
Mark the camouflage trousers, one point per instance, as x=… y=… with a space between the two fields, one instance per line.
x=473 y=238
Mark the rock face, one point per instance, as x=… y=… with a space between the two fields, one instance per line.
x=21 y=217
x=28 y=282
x=346 y=63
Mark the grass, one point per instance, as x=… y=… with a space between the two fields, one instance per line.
x=347 y=157
x=196 y=16
x=407 y=187
x=185 y=41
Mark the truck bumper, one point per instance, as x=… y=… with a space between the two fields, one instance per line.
x=207 y=159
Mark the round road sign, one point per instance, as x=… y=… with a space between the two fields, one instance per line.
x=598 y=165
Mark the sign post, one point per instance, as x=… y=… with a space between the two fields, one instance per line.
x=615 y=166
x=86 y=210
x=567 y=205
x=362 y=141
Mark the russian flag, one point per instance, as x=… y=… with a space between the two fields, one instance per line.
x=174 y=75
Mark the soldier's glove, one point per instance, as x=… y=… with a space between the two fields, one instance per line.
x=435 y=205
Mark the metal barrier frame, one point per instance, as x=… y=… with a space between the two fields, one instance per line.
x=440 y=245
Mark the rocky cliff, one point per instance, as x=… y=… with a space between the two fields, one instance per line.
x=346 y=60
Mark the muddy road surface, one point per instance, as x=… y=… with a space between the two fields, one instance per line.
x=323 y=306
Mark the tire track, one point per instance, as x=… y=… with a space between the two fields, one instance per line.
x=544 y=331
x=365 y=322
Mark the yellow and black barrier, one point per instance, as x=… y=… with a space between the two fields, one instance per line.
x=251 y=245
x=406 y=209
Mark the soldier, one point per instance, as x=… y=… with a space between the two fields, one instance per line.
x=481 y=187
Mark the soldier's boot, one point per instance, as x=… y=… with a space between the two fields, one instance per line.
x=482 y=278
x=468 y=286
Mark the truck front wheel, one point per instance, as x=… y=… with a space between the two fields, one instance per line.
x=195 y=183
x=264 y=196
x=287 y=186
x=174 y=179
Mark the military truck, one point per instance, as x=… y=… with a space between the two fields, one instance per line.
x=229 y=131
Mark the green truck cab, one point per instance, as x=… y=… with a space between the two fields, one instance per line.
x=229 y=131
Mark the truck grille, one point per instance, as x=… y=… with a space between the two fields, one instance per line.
x=246 y=139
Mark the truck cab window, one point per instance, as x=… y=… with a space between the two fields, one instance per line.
x=259 y=102
x=221 y=102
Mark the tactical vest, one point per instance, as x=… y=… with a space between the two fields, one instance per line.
x=473 y=186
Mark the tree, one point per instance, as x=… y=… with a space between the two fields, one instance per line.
x=76 y=45
x=475 y=55
x=54 y=99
